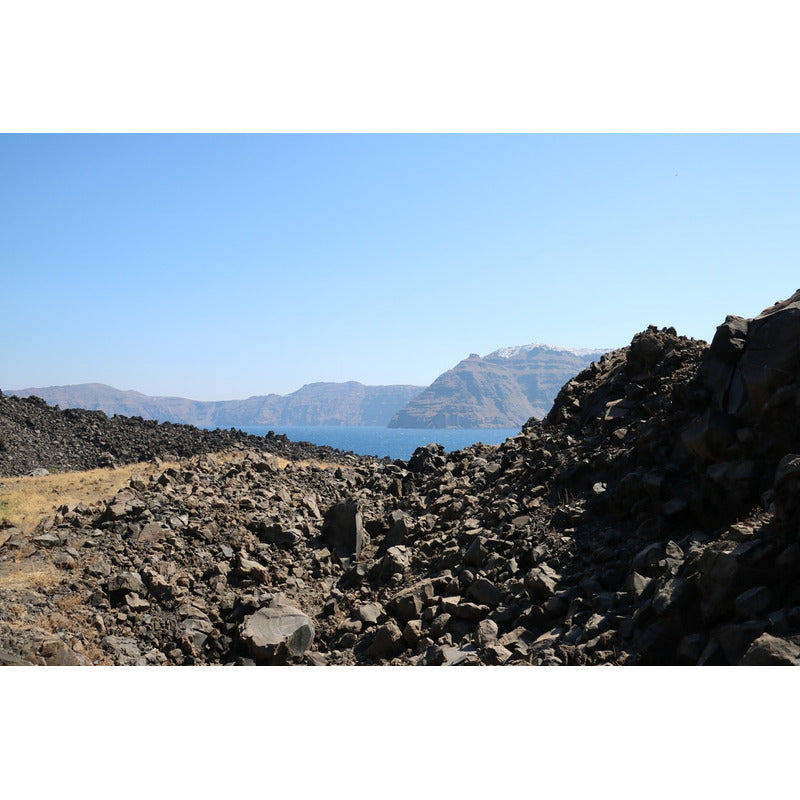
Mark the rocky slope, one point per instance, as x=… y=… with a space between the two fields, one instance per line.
x=501 y=390
x=651 y=518
x=349 y=403
x=34 y=435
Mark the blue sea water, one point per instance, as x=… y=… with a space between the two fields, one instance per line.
x=392 y=442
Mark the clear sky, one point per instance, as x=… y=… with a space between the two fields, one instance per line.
x=223 y=266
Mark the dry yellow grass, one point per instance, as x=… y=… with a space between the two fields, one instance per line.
x=28 y=575
x=306 y=462
x=24 y=501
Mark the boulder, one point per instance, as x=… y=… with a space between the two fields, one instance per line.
x=486 y=633
x=343 y=530
x=768 y=650
x=387 y=642
x=123 y=582
x=484 y=592
x=56 y=653
x=541 y=582
x=273 y=635
x=371 y=613
x=396 y=561
x=408 y=604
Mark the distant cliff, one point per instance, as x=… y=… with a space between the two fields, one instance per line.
x=349 y=403
x=501 y=390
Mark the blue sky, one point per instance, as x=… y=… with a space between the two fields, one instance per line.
x=222 y=266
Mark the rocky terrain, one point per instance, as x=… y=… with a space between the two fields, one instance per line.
x=36 y=436
x=501 y=390
x=651 y=518
x=349 y=403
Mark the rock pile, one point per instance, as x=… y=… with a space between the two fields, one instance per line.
x=34 y=435
x=651 y=518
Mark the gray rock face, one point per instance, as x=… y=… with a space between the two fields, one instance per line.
x=273 y=635
x=751 y=359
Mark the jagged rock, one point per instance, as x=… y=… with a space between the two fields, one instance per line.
x=672 y=595
x=637 y=584
x=124 y=582
x=279 y=536
x=343 y=529
x=248 y=568
x=408 y=603
x=486 y=633
x=711 y=435
x=8 y=659
x=46 y=540
x=753 y=602
x=484 y=592
x=412 y=633
x=124 y=648
x=398 y=532
x=541 y=582
x=371 y=613
x=388 y=642
x=396 y=561
x=427 y=459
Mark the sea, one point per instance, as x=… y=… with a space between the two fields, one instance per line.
x=392 y=442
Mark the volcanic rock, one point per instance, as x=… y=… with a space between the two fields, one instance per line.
x=275 y=634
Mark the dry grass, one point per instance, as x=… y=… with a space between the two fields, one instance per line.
x=72 y=618
x=28 y=575
x=69 y=602
x=24 y=501
x=307 y=462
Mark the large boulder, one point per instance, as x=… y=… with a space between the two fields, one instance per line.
x=275 y=634
x=343 y=530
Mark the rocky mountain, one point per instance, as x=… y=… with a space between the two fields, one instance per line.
x=650 y=518
x=349 y=403
x=501 y=390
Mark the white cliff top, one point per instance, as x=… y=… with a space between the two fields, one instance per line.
x=510 y=352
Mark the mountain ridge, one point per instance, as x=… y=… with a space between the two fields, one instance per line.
x=500 y=390
x=320 y=403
